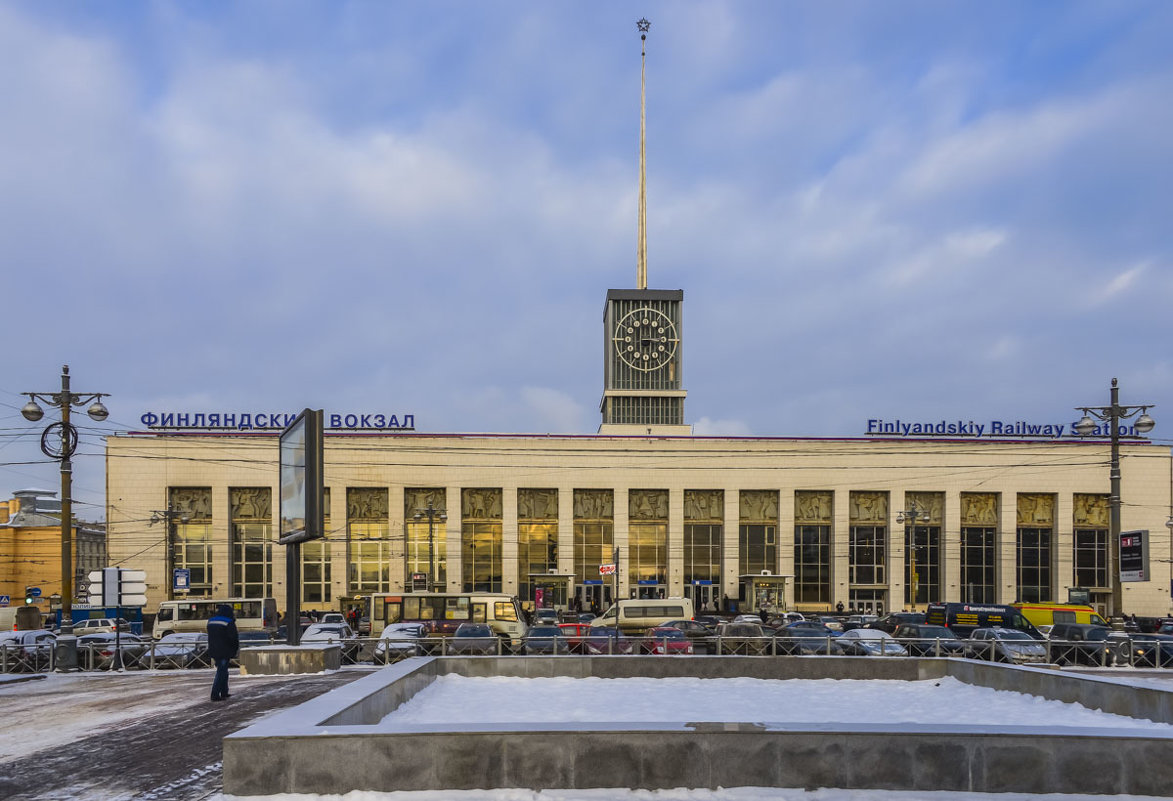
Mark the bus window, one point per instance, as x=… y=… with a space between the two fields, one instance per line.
x=480 y=613
x=456 y=608
x=503 y=610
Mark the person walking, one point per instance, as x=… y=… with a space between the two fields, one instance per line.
x=223 y=646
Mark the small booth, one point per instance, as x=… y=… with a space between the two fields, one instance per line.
x=765 y=590
x=551 y=590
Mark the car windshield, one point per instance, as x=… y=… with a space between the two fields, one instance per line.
x=667 y=633
x=937 y=631
x=545 y=631
x=1012 y=634
x=473 y=630
x=324 y=631
x=1097 y=635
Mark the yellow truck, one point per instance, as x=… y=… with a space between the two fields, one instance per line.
x=1041 y=614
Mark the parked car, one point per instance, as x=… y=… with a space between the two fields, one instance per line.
x=922 y=639
x=869 y=642
x=400 y=641
x=892 y=620
x=757 y=619
x=545 y=639
x=99 y=625
x=26 y=650
x=858 y=621
x=807 y=637
x=547 y=616
x=702 y=637
x=330 y=633
x=666 y=640
x=1083 y=644
x=97 y=651
x=473 y=639
x=181 y=649
x=607 y=640
x=743 y=638
x=333 y=617
x=831 y=622
x=1005 y=645
x=575 y=635
x=1152 y=650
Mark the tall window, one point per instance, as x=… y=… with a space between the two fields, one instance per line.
x=594 y=538
x=426 y=540
x=190 y=536
x=868 y=538
x=372 y=564
x=704 y=524
x=315 y=562
x=922 y=547
x=757 y=536
x=480 y=539
x=537 y=538
x=250 y=535
x=1036 y=528
x=812 y=547
x=1091 y=541
x=979 y=544
x=647 y=541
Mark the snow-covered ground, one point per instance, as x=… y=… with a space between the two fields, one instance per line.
x=460 y=700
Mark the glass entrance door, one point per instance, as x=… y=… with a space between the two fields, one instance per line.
x=703 y=596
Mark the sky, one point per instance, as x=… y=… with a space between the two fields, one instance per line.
x=899 y=210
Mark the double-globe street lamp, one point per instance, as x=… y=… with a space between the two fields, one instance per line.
x=1112 y=414
x=59 y=441
x=433 y=514
x=910 y=515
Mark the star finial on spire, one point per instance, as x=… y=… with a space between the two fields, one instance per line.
x=643 y=25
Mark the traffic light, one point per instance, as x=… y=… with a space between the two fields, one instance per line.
x=28 y=596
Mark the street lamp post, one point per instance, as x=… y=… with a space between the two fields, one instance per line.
x=911 y=514
x=432 y=514
x=59 y=441
x=1112 y=415
x=170 y=516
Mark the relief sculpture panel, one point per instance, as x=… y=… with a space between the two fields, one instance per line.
x=195 y=502
x=251 y=503
x=1091 y=511
x=929 y=505
x=979 y=509
x=416 y=499
x=759 y=506
x=647 y=504
x=1036 y=509
x=869 y=507
x=704 y=505
x=366 y=503
x=480 y=504
x=537 y=504
x=812 y=507
x=594 y=504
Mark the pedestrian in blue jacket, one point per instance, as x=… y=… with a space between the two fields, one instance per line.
x=223 y=645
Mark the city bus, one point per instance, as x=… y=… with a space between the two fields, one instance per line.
x=191 y=614
x=442 y=612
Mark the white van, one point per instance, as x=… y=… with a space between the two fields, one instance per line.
x=639 y=614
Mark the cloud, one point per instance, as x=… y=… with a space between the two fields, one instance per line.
x=706 y=427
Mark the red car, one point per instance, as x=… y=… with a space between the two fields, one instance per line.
x=666 y=640
x=575 y=634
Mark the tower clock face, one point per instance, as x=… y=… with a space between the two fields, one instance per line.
x=646 y=339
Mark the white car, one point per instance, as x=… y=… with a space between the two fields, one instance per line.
x=869 y=642
x=29 y=650
x=329 y=633
x=399 y=641
x=333 y=617
x=180 y=649
x=99 y=625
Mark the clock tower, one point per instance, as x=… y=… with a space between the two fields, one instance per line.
x=642 y=390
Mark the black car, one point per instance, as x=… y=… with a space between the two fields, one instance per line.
x=1151 y=650
x=1083 y=644
x=545 y=639
x=473 y=638
x=806 y=637
x=922 y=639
x=893 y=620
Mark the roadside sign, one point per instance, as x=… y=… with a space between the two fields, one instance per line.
x=35 y=592
x=606 y=570
x=5 y=600
x=181 y=581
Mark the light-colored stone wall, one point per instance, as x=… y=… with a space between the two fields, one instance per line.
x=140 y=468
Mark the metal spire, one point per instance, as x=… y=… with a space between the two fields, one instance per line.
x=641 y=276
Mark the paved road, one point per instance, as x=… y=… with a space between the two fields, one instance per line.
x=168 y=755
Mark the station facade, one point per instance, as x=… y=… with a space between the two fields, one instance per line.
x=543 y=516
